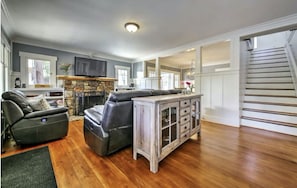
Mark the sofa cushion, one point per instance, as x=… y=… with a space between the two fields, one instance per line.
x=19 y=99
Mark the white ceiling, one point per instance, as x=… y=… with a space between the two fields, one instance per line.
x=97 y=26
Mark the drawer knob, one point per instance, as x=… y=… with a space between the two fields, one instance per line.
x=185 y=111
x=185 y=119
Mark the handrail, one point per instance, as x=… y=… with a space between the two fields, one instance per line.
x=291 y=60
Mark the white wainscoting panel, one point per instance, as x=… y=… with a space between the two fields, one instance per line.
x=220 y=101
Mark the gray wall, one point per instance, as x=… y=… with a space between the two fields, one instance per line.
x=63 y=57
x=137 y=67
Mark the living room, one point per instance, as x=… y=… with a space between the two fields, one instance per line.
x=221 y=104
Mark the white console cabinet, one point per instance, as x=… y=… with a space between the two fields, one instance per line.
x=162 y=123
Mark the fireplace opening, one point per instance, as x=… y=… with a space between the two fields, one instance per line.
x=85 y=100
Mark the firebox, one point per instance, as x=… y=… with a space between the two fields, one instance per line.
x=85 y=100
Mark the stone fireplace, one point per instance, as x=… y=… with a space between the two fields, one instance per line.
x=84 y=92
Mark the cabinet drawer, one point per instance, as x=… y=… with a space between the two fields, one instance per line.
x=185 y=127
x=184 y=119
x=184 y=103
x=184 y=111
x=184 y=136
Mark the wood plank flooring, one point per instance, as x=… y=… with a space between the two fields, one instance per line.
x=222 y=157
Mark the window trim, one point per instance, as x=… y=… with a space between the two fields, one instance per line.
x=24 y=56
x=116 y=68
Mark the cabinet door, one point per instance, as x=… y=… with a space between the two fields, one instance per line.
x=169 y=132
x=195 y=116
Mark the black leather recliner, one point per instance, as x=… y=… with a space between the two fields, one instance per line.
x=108 y=128
x=31 y=127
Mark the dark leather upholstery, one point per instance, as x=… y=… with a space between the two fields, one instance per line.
x=32 y=127
x=108 y=128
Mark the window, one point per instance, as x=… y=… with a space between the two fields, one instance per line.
x=123 y=75
x=38 y=69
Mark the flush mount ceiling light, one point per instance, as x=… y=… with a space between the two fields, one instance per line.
x=131 y=27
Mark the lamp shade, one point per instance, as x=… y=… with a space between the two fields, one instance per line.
x=131 y=27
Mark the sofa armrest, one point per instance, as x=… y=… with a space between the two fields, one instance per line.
x=12 y=111
x=46 y=112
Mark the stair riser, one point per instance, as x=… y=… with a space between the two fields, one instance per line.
x=269 y=61
x=269 y=75
x=275 y=50
x=268 y=65
x=288 y=109
x=281 y=52
x=283 y=100
x=270 y=127
x=268 y=70
x=273 y=117
x=270 y=86
x=270 y=92
x=269 y=80
x=267 y=57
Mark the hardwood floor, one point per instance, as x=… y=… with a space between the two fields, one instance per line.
x=222 y=157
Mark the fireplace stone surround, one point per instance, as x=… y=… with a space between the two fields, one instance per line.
x=76 y=87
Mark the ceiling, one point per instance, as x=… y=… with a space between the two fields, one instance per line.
x=96 y=27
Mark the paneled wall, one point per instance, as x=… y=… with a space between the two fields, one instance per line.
x=220 y=101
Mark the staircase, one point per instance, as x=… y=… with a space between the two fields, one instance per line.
x=270 y=100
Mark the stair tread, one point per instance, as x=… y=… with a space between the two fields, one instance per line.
x=250 y=88
x=263 y=95
x=280 y=82
x=268 y=77
x=275 y=71
x=280 y=62
x=270 y=112
x=268 y=61
x=287 y=66
x=270 y=121
x=267 y=55
x=269 y=49
x=272 y=103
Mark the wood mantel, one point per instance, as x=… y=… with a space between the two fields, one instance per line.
x=63 y=77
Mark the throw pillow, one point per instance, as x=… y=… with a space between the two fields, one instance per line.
x=39 y=103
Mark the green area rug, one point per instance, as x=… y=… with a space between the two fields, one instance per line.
x=28 y=169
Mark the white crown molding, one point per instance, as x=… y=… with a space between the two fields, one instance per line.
x=258 y=28
x=31 y=42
